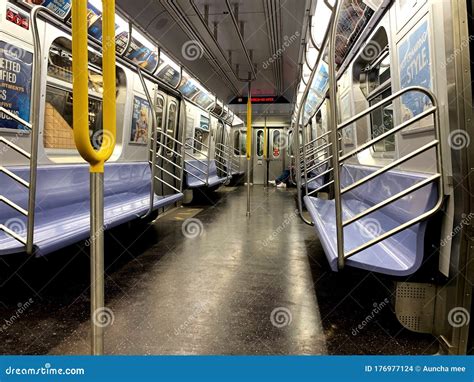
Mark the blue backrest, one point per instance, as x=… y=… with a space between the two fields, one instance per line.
x=388 y=184
x=201 y=165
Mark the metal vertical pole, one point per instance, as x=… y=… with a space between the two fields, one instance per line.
x=96 y=158
x=334 y=136
x=249 y=143
x=265 y=152
x=97 y=260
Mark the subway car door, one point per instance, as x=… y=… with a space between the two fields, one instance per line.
x=277 y=142
x=258 y=163
x=219 y=155
x=160 y=101
x=171 y=128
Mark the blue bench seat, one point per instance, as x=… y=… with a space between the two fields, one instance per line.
x=399 y=255
x=63 y=203
x=198 y=178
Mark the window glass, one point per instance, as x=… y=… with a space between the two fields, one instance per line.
x=382 y=121
x=58 y=122
x=198 y=140
x=60 y=67
x=276 y=144
x=159 y=112
x=236 y=142
x=243 y=143
x=171 y=126
x=260 y=143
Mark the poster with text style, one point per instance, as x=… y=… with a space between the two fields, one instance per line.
x=15 y=84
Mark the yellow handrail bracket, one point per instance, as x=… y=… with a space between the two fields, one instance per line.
x=96 y=158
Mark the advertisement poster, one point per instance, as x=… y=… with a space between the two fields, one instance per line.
x=169 y=75
x=15 y=84
x=94 y=25
x=204 y=123
x=140 y=121
x=59 y=7
x=415 y=70
x=204 y=100
x=142 y=56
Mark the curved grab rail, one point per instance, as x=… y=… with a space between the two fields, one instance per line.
x=152 y=142
x=299 y=121
x=96 y=158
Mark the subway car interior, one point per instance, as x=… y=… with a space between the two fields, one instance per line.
x=267 y=177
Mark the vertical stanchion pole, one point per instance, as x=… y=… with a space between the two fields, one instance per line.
x=96 y=158
x=265 y=152
x=97 y=260
x=249 y=143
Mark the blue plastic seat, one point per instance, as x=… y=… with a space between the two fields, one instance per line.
x=63 y=203
x=399 y=255
x=198 y=178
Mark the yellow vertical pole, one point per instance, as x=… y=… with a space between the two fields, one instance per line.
x=96 y=158
x=249 y=144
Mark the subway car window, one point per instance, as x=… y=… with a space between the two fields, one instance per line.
x=276 y=144
x=172 y=108
x=260 y=143
x=376 y=86
x=58 y=122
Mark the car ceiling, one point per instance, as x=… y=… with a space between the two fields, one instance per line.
x=202 y=36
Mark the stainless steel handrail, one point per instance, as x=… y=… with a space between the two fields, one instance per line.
x=34 y=127
x=300 y=116
x=152 y=143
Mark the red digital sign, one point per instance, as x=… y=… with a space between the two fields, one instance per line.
x=260 y=99
x=17 y=17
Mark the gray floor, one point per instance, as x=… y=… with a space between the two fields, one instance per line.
x=228 y=285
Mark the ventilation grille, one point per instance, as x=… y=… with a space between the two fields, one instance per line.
x=414 y=306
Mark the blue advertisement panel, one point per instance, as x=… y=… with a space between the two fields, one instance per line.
x=15 y=84
x=140 y=121
x=60 y=7
x=141 y=55
x=204 y=123
x=415 y=70
x=94 y=28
